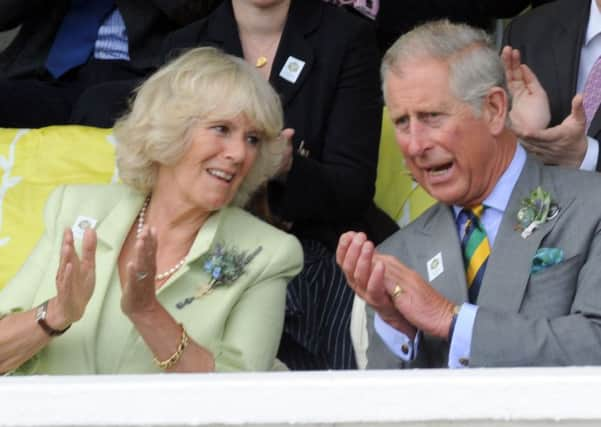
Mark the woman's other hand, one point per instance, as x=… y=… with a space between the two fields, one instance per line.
x=139 y=289
x=75 y=280
x=286 y=144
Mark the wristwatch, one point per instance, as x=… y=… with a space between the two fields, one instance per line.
x=40 y=317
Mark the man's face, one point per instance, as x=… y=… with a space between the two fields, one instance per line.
x=448 y=149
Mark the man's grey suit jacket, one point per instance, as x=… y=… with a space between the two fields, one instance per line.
x=552 y=317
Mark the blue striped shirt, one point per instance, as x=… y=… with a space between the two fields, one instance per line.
x=112 y=41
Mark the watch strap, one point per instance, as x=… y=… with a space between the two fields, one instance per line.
x=40 y=316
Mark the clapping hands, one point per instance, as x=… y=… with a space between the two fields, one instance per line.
x=401 y=297
x=75 y=279
x=564 y=144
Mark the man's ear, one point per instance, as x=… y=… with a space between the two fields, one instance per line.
x=494 y=110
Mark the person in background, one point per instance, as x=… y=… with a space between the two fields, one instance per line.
x=503 y=270
x=53 y=71
x=163 y=272
x=323 y=62
x=551 y=55
x=394 y=18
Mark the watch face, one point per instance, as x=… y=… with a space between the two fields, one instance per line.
x=40 y=313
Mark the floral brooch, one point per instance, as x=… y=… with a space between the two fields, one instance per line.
x=224 y=266
x=537 y=208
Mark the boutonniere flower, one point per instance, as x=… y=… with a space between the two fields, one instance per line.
x=537 y=208
x=224 y=266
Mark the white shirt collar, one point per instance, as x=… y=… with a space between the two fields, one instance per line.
x=594 y=23
x=499 y=197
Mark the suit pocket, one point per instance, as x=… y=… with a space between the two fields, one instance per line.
x=550 y=292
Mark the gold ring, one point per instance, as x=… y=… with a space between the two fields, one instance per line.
x=396 y=291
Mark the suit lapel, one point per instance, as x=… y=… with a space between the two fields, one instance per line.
x=441 y=236
x=202 y=243
x=565 y=44
x=303 y=18
x=508 y=270
x=222 y=30
x=111 y=232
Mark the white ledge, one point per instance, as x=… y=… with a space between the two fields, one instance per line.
x=520 y=397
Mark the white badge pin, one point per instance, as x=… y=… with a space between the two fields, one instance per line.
x=435 y=266
x=292 y=69
x=82 y=223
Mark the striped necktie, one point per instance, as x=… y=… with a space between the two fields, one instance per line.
x=476 y=249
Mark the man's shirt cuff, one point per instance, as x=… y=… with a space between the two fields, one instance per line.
x=397 y=342
x=589 y=163
x=461 y=341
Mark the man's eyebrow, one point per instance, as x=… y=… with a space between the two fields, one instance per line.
x=399 y=117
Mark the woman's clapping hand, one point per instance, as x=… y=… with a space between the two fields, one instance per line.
x=139 y=287
x=75 y=279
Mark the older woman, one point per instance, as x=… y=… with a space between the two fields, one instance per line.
x=324 y=64
x=161 y=274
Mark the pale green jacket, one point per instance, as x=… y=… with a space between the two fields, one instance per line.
x=240 y=322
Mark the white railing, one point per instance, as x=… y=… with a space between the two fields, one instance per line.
x=478 y=397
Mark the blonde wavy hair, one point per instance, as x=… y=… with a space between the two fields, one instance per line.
x=203 y=84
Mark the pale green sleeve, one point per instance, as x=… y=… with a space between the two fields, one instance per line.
x=20 y=291
x=254 y=328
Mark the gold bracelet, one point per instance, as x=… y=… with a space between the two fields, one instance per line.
x=168 y=363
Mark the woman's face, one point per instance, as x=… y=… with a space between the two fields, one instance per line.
x=218 y=158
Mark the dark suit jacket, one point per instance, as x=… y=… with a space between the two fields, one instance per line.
x=550 y=39
x=335 y=108
x=397 y=17
x=147 y=23
x=547 y=318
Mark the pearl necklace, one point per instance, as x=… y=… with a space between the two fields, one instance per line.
x=139 y=229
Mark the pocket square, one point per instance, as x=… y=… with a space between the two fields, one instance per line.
x=546 y=257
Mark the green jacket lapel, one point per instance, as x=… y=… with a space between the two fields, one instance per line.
x=202 y=243
x=111 y=232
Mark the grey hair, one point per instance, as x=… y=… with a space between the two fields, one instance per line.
x=203 y=84
x=474 y=64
